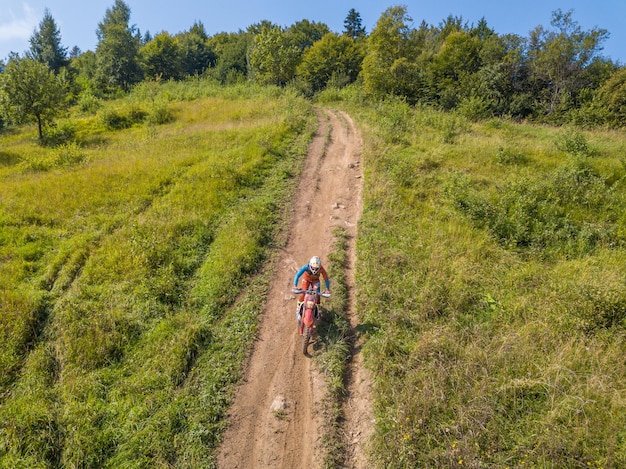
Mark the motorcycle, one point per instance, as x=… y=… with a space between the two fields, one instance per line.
x=307 y=314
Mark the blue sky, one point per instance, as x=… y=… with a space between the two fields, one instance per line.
x=78 y=20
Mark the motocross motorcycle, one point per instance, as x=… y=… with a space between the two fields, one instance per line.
x=307 y=314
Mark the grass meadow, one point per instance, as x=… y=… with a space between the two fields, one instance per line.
x=492 y=286
x=132 y=262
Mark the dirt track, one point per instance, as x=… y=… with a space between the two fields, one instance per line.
x=277 y=373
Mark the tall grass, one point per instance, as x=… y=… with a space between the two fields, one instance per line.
x=491 y=267
x=126 y=301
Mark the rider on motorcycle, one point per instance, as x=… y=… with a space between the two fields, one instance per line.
x=310 y=274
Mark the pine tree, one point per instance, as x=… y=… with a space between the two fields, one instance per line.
x=45 y=44
x=353 y=26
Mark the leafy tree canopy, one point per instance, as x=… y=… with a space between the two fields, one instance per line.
x=118 y=48
x=333 y=57
x=30 y=92
x=161 y=58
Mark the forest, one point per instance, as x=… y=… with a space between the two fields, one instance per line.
x=556 y=75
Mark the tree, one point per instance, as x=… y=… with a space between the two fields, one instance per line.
x=610 y=100
x=333 y=57
x=454 y=65
x=30 y=91
x=45 y=44
x=160 y=57
x=118 y=48
x=558 y=59
x=303 y=34
x=353 y=26
x=195 y=53
x=273 y=58
x=390 y=65
x=231 y=52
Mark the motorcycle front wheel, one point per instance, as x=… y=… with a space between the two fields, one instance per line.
x=306 y=338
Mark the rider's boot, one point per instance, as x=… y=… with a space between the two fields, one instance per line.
x=298 y=313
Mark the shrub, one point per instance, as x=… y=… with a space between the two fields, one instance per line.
x=543 y=216
x=394 y=117
x=574 y=143
x=510 y=156
x=475 y=108
x=159 y=115
x=59 y=134
x=89 y=103
x=114 y=120
x=118 y=119
x=70 y=154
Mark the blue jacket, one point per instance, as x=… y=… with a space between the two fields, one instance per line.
x=308 y=275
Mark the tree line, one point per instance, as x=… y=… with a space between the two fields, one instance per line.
x=555 y=75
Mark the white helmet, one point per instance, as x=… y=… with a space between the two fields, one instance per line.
x=314 y=265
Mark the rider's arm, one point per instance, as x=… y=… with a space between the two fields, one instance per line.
x=299 y=274
x=326 y=279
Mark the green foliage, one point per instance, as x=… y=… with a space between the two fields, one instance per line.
x=353 y=25
x=333 y=59
x=610 y=102
x=394 y=117
x=161 y=58
x=273 y=58
x=60 y=134
x=117 y=52
x=45 y=44
x=388 y=66
x=548 y=216
x=88 y=103
x=575 y=143
x=304 y=33
x=511 y=156
x=231 y=61
x=117 y=119
x=558 y=59
x=195 y=53
x=29 y=92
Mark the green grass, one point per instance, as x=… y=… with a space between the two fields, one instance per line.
x=126 y=315
x=491 y=266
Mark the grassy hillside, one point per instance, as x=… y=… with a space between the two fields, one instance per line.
x=492 y=287
x=129 y=265
x=491 y=272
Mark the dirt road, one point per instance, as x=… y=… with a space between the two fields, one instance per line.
x=278 y=376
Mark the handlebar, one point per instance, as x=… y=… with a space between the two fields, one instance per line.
x=298 y=291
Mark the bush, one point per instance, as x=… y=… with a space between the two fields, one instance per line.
x=394 y=116
x=159 y=115
x=89 y=103
x=574 y=143
x=117 y=120
x=59 y=134
x=475 y=108
x=70 y=154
